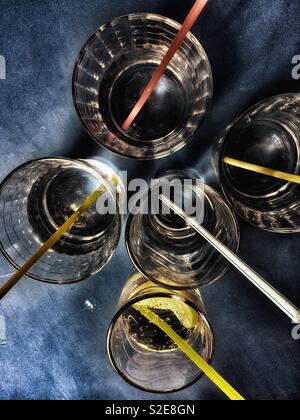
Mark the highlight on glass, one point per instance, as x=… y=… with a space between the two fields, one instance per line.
x=142 y=353
x=38 y=197
x=168 y=251
x=267 y=135
x=113 y=69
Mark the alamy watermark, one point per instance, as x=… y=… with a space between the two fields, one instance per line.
x=296 y=332
x=139 y=197
x=2 y=67
x=296 y=67
x=2 y=330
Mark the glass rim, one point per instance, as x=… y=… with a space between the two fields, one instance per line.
x=10 y=260
x=128 y=305
x=159 y=18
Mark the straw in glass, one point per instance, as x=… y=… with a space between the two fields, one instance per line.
x=50 y=242
x=187 y=25
x=191 y=354
x=262 y=170
x=277 y=298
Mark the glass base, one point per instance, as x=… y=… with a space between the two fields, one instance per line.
x=54 y=198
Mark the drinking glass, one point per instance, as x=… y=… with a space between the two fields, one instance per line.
x=141 y=353
x=113 y=69
x=38 y=197
x=171 y=253
x=267 y=135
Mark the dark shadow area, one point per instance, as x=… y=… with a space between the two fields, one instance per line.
x=79 y=144
x=175 y=10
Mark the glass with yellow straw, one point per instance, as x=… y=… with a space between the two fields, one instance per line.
x=258 y=164
x=143 y=354
x=52 y=227
x=160 y=340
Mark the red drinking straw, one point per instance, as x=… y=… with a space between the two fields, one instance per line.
x=186 y=27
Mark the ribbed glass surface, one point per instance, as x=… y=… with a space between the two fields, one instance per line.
x=141 y=353
x=36 y=199
x=112 y=71
x=267 y=135
x=170 y=252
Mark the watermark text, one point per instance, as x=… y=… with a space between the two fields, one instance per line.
x=296 y=67
x=296 y=332
x=2 y=330
x=139 y=197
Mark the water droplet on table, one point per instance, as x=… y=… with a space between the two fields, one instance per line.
x=90 y=305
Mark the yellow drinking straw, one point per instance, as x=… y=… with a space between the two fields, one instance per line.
x=262 y=170
x=191 y=354
x=51 y=241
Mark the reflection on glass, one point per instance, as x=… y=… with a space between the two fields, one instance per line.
x=112 y=71
x=38 y=197
x=142 y=353
x=267 y=135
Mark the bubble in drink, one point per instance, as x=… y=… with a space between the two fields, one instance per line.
x=179 y=316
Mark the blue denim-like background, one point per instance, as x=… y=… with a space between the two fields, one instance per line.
x=56 y=348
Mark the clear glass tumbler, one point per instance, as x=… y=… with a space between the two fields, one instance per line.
x=38 y=197
x=141 y=353
x=114 y=67
x=169 y=252
x=267 y=135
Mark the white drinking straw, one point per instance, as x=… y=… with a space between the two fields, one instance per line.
x=284 y=304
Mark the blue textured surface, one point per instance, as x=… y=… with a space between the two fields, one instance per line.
x=56 y=348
